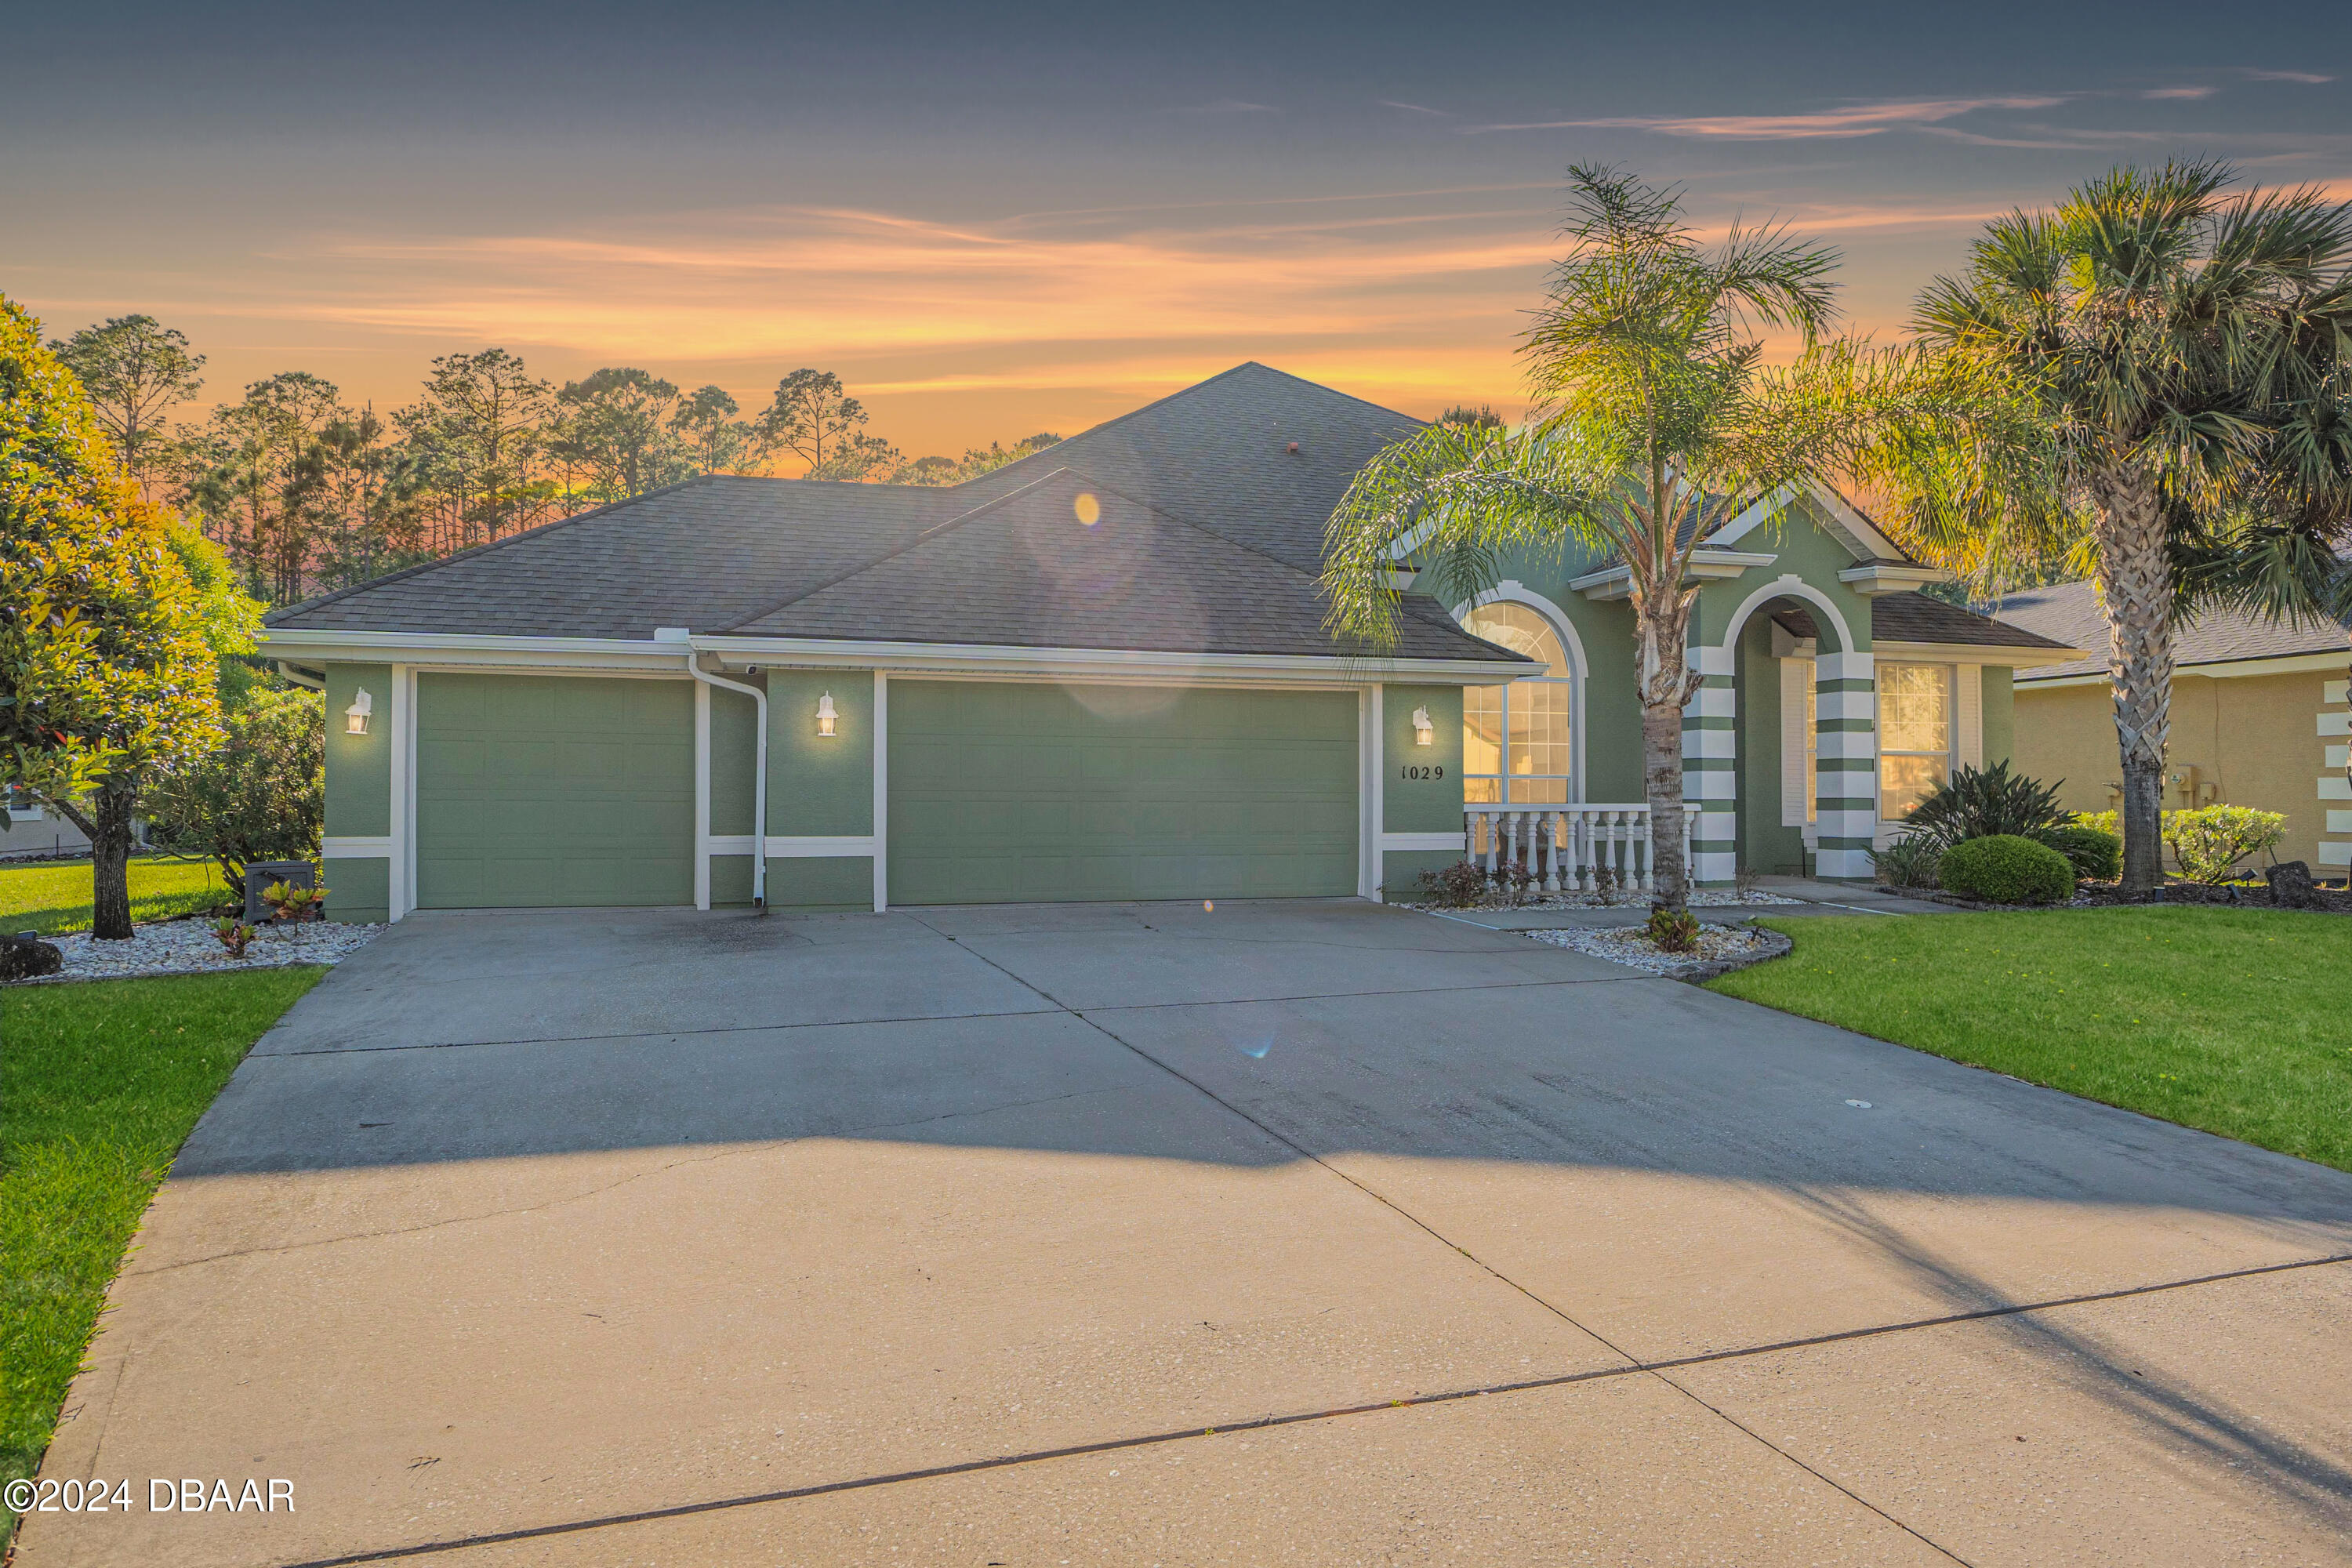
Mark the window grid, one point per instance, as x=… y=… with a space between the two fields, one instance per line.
x=1518 y=741
x=1915 y=734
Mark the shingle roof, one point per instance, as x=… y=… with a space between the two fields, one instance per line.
x=1030 y=570
x=699 y=554
x=2071 y=613
x=1915 y=617
x=718 y=552
x=1218 y=456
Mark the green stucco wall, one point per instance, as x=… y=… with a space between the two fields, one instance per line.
x=1798 y=546
x=1999 y=714
x=359 y=890
x=819 y=787
x=1026 y=792
x=1422 y=792
x=734 y=753
x=821 y=882
x=537 y=791
x=359 y=767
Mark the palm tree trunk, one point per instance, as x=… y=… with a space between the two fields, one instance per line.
x=1663 y=678
x=2136 y=579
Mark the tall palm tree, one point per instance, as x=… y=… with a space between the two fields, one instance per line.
x=2187 y=350
x=1655 y=421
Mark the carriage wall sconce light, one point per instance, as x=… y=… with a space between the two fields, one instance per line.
x=826 y=715
x=356 y=717
x=1424 y=734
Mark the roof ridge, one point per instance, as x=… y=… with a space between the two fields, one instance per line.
x=934 y=532
x=471 y=551
x=1186 y=392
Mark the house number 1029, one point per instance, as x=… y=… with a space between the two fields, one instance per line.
x=1410 y=771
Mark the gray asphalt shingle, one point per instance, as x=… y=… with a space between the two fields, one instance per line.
x=2070 y=611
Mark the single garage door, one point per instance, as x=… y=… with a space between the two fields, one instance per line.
x=1033 y=792
x=550 y=791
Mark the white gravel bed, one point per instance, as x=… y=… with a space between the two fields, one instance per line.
x=1630 y=946
x=189 y=947
x=1700 y=899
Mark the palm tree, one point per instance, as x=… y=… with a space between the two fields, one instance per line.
x=1654 y=421
x=2187 y=350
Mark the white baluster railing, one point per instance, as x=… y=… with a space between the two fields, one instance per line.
x=1566 y=848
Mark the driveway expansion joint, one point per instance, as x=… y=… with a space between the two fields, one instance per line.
x=1268 y=1421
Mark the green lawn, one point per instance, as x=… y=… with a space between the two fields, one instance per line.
x=2236 y=1021
x=99 y=1084
x=53 y=896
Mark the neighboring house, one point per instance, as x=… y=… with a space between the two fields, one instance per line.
x=33 y=830
x=1100 y=672
x=36 y=832
x=2258 y=719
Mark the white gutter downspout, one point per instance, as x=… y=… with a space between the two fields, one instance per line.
x=760 y=754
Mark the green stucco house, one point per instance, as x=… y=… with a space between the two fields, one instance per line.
x=1099 y=673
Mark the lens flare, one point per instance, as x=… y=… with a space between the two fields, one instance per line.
x=1209 y=906
x=1088 y=509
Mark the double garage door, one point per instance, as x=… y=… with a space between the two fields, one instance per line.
x=540 y=791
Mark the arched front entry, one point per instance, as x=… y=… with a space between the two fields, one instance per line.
x=1779 y=745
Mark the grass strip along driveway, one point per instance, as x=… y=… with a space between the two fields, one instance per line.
x=100 y=1085
x=2234 y=1021
x=52 y=897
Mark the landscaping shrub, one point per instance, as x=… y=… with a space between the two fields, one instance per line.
x=1909 y=862
x=1457 y=887
x=1984 y=802
x=263 y=796
x=2208 y=843
x=2095 y=852
x=2007 y=869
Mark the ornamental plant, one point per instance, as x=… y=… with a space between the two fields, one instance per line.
x=1674 y=930
x=1976 y=802
x=2005 y=868
x=1909 y=862
x=292 y=901
x=234 y=936
x=2208 y=842
x=2096 y=853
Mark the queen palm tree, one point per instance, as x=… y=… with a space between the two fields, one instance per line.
x=1654 y=421
x=2186 y=351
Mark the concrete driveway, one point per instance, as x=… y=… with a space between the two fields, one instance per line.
x=1291 y=1233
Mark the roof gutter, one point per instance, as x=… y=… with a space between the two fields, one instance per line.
x=679 y=635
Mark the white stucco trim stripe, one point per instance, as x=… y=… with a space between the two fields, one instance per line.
x=813 y=848
x=350 y=848
x=1421 y=841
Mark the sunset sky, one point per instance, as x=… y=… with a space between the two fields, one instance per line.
x=991 y=221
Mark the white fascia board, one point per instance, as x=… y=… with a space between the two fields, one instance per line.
x=1980 y=653
x=1754 y=518
x=1874 y=579
x=467 y=648
x=2226 y=670
x=1616 y=582
x=1104 y=664
x=1864 y=532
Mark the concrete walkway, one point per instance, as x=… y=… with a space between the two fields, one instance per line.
x=1301 y=1233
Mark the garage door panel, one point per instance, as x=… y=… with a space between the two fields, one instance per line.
x=539 y=791
x=1041 y=791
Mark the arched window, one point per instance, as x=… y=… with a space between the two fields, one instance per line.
x=1517 y=748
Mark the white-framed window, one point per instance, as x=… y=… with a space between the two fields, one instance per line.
x=1916 y=734
x=1518 y=741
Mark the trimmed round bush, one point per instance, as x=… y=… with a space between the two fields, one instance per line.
x=2094 y=852
x=2007 y=869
